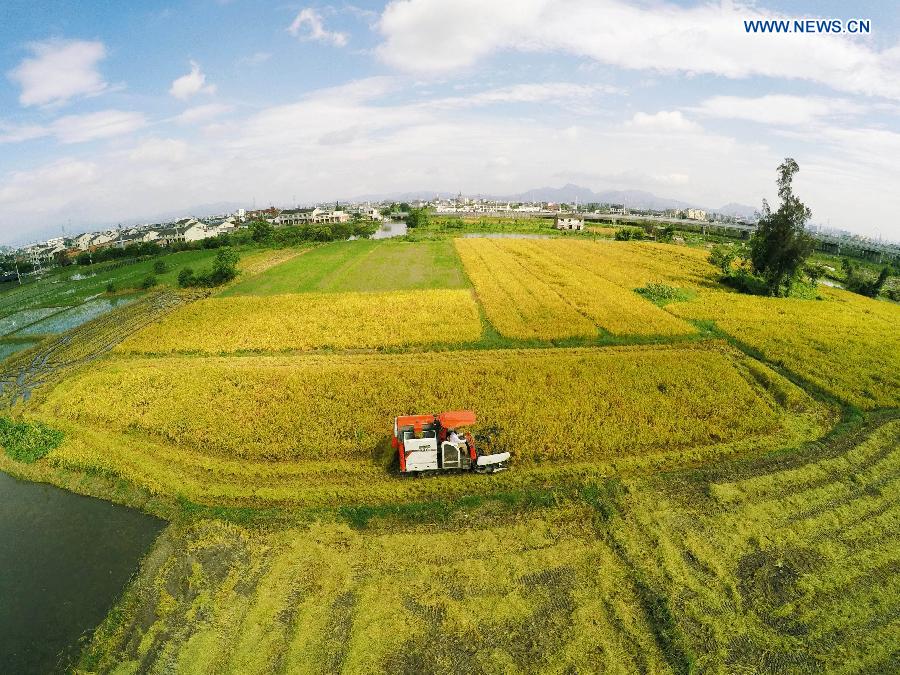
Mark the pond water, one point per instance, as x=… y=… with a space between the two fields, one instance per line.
x=13 y=322
x=74 y=317
x=390 y=229
x=64 y=561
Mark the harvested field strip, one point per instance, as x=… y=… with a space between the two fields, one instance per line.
x=312 y=321
x=846 y=344
x=800 y=581
x=825 y=472
x=537 y=595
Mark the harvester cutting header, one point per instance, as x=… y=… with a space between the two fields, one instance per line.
x=439 y=443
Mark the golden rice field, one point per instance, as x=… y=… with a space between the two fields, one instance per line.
x=602 y=230
x=632 y=264
x=312 y=321
x=315 y=428
x=687 y=506
x=787 y=571
x=543 y=594
x=846 y=344
x=780 y=568
x=536 y=289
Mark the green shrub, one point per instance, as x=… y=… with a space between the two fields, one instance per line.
x=224 y=266
x=186 y=278
x=629 y=233
x=149 y=282
x=814 y=271
x=224 y=269
x=722 y=257
x=261 y=231
x=662 y=294
x=111 y=288
x=858 y=281
x=27 y=441
x=160 y=267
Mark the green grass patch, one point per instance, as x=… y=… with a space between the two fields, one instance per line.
x=362 y=265
x=27 y=441
x=663 y=294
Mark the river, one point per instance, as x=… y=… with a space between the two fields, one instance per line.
x=64 y=561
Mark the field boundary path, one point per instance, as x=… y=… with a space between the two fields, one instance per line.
x=48 y=361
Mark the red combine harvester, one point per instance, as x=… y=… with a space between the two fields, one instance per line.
x=434 y=443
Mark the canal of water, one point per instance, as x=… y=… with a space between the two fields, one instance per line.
x=64 y=561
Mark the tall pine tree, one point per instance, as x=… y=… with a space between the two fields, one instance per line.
x=781 y=243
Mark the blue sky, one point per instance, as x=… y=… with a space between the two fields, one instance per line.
x=119 y=111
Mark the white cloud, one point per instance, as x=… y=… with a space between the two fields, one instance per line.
x=432 y=147
x=315 y=28
x=777 y=109
x=13 y=133
x=48 y=187
x=203 y=113
x=631 y=180
x=563 y=93
x=664 y=120
x=255 y=59
x=160 y=150
x=429 y=36
x=97 y=125
x=59 y=70
x=193 y=83
x=77 y=128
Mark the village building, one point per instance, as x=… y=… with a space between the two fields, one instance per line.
x=569 y=222
x=695 y=214
x=314 y=215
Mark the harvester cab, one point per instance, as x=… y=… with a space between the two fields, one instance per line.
x=441 y=443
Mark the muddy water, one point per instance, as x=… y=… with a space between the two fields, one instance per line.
x=64 y=560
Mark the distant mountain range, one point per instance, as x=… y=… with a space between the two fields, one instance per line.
x=637 y=199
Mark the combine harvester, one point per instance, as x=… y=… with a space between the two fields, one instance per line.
x=433 y=443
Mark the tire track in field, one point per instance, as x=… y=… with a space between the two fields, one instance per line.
x=51 y=359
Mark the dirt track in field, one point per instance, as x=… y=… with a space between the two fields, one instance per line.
x=47 y=362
